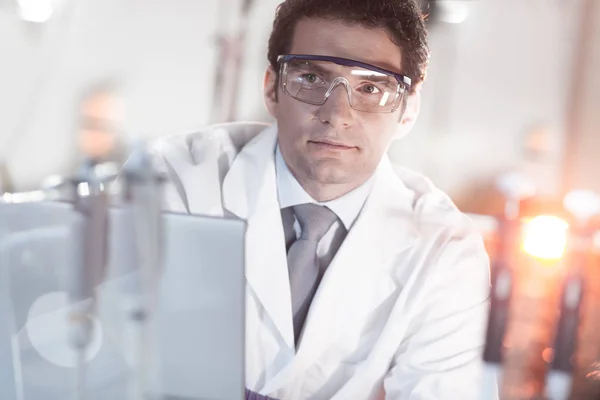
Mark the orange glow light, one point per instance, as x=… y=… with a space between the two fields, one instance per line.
x=545 y=237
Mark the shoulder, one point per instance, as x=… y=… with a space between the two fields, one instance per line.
x=450 y=253
x=199 y=157
x=431 y=205
x=447 y=235
x=194 y=146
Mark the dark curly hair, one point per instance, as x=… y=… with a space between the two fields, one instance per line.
x=402 y=19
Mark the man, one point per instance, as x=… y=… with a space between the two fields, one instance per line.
x=100 y=112
x=363 y=280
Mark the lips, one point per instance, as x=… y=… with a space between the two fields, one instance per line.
x=332 y=144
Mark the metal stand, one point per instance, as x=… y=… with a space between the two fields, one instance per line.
x=143 y=197
x=90 y=247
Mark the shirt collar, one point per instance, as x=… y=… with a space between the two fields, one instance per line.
x=291 y=193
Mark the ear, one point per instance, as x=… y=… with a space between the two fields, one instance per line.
x=270 y=88
x=409 y=117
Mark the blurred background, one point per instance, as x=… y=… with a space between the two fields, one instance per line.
x=513 y=85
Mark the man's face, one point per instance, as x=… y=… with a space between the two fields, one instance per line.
x=334 y=144
x=99 y=116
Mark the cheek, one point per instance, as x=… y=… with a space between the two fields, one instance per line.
x=290 y=126
x=380 y=132
x=294 y=119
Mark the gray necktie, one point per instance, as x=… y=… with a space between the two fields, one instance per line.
x=303 y=265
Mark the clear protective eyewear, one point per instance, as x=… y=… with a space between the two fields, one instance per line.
x=312 y=79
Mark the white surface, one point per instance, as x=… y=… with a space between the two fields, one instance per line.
x=492 y=379
x=558 y=385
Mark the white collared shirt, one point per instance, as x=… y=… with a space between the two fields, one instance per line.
x=346 y=207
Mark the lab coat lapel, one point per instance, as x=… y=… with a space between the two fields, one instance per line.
x=250 y=192
x=360 y=276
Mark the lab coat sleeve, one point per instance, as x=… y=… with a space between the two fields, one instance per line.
x=441 y=356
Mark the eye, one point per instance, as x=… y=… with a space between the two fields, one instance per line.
x=370 y=89
x=309 y=78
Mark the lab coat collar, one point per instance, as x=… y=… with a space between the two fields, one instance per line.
x=291 y=193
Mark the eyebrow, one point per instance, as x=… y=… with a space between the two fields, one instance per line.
x=377 y=78
x=370 y=75
x=307 y=64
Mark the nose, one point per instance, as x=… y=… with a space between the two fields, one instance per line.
x=337 y=110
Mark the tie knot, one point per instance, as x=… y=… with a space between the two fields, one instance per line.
x=314 y=220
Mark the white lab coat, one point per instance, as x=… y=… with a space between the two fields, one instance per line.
x=401 y=311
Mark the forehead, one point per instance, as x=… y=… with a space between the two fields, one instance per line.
x=339 y=39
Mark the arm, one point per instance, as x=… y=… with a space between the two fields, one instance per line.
x=441 y=357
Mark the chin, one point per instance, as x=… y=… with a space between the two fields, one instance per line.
x=331 y=175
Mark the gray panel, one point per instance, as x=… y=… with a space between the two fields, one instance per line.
x=36 y=269
x=203 y=324
x=13 y=311
x=200 y=317
x=201 y=311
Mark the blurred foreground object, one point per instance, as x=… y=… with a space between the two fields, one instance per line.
x=91 y=200
x=142 y=194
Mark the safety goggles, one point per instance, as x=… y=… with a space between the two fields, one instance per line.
x=312 y=79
